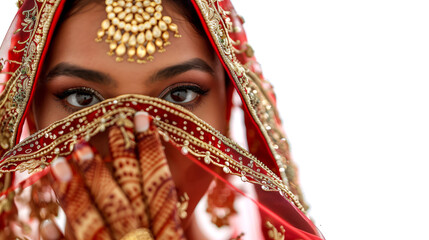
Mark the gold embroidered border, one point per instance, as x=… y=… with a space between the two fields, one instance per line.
x=275 y=234
x=16 y=94
x=262 y=110
x=205 y=144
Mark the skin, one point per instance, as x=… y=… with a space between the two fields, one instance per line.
x=73 y=48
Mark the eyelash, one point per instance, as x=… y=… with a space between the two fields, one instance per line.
x=84 y=90
x=186 y=86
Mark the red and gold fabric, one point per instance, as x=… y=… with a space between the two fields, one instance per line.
x=133 y=190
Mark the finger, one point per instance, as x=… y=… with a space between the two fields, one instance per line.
x=108 y=196
x=126 y=171
x=82 y=216
x=158 y=185
x=50 y=231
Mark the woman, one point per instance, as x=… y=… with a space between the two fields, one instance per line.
x=96 y=122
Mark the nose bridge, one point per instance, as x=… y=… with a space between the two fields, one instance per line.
x=133 y=84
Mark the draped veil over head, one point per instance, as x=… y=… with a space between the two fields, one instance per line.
x=255 y=193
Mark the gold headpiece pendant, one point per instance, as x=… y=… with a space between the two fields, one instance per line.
x=136 y=28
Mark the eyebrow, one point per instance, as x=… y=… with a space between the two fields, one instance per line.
x=67 y=69
x=193 y=64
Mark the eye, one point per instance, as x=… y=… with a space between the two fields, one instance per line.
x=184 y=94
x=80 y=97
x=181 y=96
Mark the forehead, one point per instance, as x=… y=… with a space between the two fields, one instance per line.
x=74 y=42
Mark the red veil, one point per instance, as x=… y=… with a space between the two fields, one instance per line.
x=265 y=168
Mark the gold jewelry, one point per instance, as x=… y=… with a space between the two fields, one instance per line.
x=182 y=206
x=136 y=28
x=138 y=234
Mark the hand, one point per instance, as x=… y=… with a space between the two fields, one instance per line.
x=138 y=193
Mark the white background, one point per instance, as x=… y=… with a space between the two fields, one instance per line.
x=352 y=83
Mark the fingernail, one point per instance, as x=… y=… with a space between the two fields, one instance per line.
x=61 y=170
x=141 y=121
x=84 y=153
x=49 y=230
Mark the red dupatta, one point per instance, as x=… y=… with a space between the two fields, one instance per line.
x=267 y=163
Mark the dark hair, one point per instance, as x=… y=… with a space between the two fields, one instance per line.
x=184 y=7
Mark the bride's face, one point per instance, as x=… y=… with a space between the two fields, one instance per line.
x=78 y=73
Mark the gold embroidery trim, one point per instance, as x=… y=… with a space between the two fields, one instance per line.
x=15 y=96
x=231 y=160
x=275 y=234
x=220 y=25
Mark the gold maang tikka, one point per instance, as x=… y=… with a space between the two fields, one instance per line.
x=136 y=28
